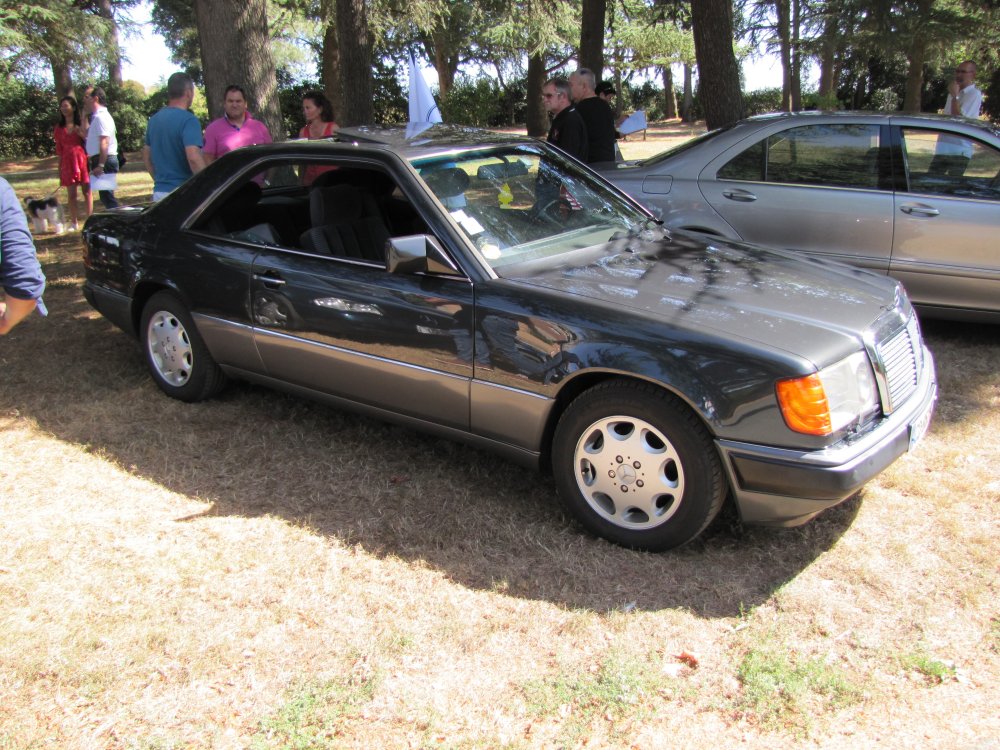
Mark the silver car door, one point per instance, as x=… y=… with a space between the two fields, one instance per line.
x=822 y=189
x=946 y=249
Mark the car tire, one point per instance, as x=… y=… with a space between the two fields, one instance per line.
x=176 y=356
x=634 y=465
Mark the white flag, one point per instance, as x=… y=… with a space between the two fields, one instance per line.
x=423 y=108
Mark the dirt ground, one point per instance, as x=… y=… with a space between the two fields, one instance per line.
x=258 y=571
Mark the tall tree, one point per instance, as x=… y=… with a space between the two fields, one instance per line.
x=782 y=10
x=546 y=30
x=329 y=67
x=718 y=70
x=59 y=34
x=104 y=10
x=235 y=47
x=593 y=22
x=355 y=53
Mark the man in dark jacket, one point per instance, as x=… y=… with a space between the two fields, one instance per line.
x=567 y=131
x=597 y=117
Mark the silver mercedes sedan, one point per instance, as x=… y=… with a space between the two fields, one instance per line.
x=913 y=196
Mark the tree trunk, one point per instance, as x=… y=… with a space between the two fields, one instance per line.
x=916 y=54
x=592 y=21
x=62 y=77
x=688 y=100
x=115 y=59
x=785 y=53
x=718 y=71
x=441 y=52
x=915 y=74
x=538 y=121
x=236 y=48
x=354 y=43
x=795 y=77
x=669 y=97
x=828 y=62
x=330 y=59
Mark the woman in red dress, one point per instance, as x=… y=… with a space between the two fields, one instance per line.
x=318 y=113
x=73 y=172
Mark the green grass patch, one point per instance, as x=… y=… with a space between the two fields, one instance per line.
x=619 y=688
x=315 y=714
x=780 y=690
x=933 y=670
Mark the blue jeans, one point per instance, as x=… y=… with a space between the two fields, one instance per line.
x=107 y=197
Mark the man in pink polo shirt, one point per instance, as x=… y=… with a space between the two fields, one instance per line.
x=235 y=129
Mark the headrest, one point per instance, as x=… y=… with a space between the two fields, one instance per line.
x=335 y=204
x=446 y=183
x=245 y=195
x=237 y=211
x=502 y=171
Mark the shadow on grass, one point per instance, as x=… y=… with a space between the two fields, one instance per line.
x=485 y=523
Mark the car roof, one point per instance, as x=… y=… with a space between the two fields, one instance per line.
x=411 y=142
x=419 y=140
x=912 y=118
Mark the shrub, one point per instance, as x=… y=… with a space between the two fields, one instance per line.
x=483 y=102
x=761 y=101
x=28 y=113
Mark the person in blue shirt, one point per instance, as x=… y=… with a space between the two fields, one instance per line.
x=20 y=274
x=172 y=151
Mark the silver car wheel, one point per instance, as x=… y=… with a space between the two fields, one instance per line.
x=629 y=473
x=169 y=348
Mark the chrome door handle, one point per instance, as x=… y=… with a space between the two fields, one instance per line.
x=919 y=210
x=269 y=279
x=743 y=196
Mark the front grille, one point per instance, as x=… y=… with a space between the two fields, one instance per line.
x=898 y=365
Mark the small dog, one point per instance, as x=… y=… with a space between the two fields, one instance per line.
x=46 y=213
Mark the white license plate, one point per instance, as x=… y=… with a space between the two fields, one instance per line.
x=919 y=426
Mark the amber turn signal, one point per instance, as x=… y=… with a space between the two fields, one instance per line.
x=804 y=405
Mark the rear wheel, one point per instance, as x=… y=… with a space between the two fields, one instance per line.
x=635 y=466
x=175 y=353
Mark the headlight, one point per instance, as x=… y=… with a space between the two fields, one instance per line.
x=831 y=399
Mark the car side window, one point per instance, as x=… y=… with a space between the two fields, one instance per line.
x=344 y=210
x=940 y=163
x=835 y=155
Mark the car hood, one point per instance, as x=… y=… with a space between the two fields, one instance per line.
x=702 y=284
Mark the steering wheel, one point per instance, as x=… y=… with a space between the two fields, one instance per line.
x=555 y=208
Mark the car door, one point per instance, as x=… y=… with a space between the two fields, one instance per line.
x=947 y=219
x=820 y=188
x=347 y=327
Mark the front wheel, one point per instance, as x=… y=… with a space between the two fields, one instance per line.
x=175 y=354
x=635 y=466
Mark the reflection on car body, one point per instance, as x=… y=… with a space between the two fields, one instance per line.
x=436 y=283
x=914 y=196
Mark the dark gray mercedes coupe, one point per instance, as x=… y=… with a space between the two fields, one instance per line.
x=487 y=288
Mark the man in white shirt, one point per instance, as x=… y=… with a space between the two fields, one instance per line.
x=963 y=97
x=102 y=146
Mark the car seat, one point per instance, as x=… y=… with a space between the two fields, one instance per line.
x=343 y=224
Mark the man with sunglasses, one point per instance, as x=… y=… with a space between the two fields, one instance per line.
x=963 y=97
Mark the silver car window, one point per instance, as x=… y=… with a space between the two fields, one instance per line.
x=942 y=163
x=834 y=155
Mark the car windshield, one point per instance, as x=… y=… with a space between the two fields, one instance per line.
x=524 y=202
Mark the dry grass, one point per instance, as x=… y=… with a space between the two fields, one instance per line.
x=263 y=572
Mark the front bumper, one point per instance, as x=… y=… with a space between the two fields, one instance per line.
x=781 y=487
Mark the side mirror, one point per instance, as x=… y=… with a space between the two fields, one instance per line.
x=418 y=253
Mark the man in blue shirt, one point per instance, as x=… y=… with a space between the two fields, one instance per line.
x=172 y=151
x=20 y=274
